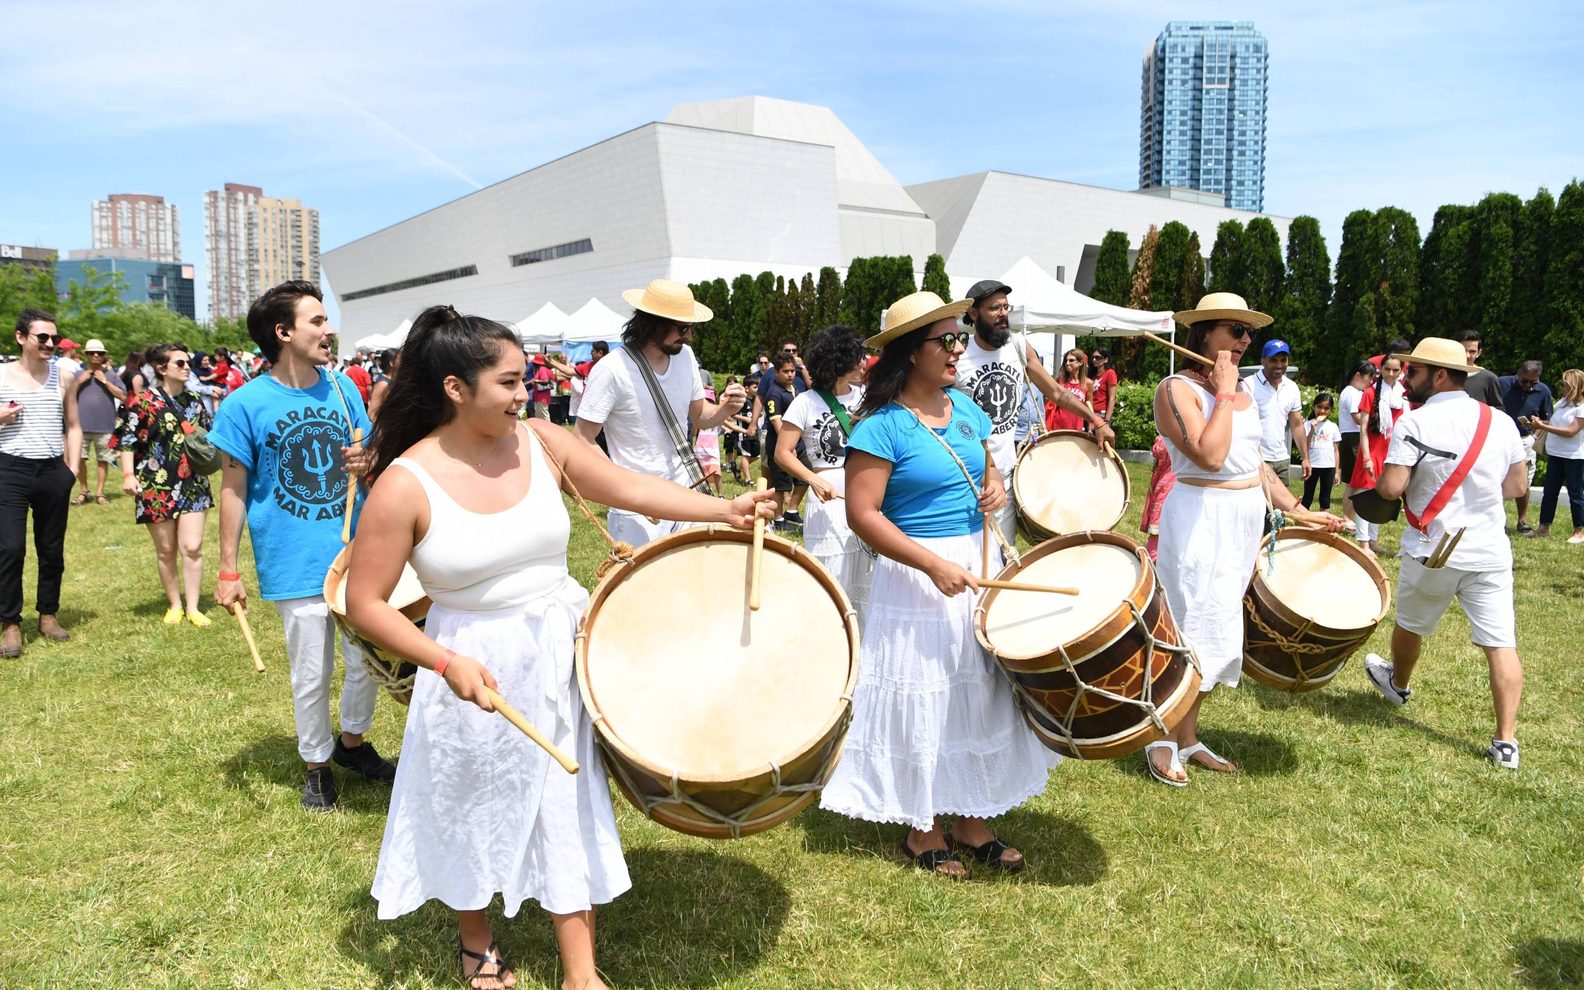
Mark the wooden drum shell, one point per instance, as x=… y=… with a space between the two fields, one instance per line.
x=1110 y=655
x=1320 y=650
x=394 y=673
x=1033 y=494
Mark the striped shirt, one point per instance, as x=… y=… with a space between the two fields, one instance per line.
x=39 y=428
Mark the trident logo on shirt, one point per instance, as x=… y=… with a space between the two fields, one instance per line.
x=318 y=459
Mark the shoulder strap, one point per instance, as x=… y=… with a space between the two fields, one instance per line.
x=346 y=409
x=679 y=439
x=1439 y=500
x=837 y=410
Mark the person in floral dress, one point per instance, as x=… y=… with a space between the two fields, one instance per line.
x=171 y=497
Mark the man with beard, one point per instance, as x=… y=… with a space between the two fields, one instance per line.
x=642 y=434
x=995 y=369
x=1453 y=461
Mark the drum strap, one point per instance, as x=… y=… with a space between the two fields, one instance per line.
x=1007 y=549
x=678 y=436
x=837 y=410
x=620 y=550
x=1439 y=500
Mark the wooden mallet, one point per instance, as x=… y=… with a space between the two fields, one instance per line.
x=1020 y=586
x=756 y=563
x=346 y=520
x=984 y=569
x=515 y=717
x=1185 y=352
x=247 y=634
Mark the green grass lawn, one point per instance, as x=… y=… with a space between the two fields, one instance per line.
x=150 y=834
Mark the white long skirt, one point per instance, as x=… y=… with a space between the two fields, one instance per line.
x=935 y=730
x=478 y=809
x=828 y=538
x=1209 y=538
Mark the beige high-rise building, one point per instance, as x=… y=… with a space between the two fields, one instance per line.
x=255 y=241
x=133 y=225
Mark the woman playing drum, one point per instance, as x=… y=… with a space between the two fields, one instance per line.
x=818 y=423
x=475 y=503
x=935 y=730
x=1210 y=525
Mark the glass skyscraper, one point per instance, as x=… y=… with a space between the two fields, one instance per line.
x=1202 y=117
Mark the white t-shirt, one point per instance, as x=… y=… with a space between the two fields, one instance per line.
x=1563 y=415
x=616 y=396
x=1276 y=403
x=1347 y=405
x=822 y=442
x=1323 y=438
x=1447 y=423
x=995 y=382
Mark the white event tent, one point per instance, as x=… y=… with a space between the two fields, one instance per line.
x=594 y=321
x=544 y=326
x=384 y=341
x=1043 y=305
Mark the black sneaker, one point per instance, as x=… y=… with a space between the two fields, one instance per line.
x=1525 y=528
x=793 y=517
x=365 y=761
x=319 y=790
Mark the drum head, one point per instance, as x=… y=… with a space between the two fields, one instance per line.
x=1320 y=582
x=1026 y=624
x=409 y=590
x=689 y=680
x=1066 y=484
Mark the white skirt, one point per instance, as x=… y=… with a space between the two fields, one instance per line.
x=477 y=808
x=828 y=538
x=935 y=729
x=1209 y=538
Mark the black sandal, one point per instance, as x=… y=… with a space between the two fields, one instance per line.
x=488 y=957
x=931 y=861
x=990 y=854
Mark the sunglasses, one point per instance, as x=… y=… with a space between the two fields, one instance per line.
x=952 y=341
x=682 y=329
x=1239 y=331
x=46 y=338
x=178 y=363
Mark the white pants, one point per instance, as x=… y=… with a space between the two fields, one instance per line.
x=310 y=648
x=637 y=530
x=1423 y=594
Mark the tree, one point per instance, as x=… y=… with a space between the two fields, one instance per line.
x=1350 y=319
x=827 y=295
x=935 y=278
x=1563 y=344
x=899 y=281
x=91 y=300
x=1531 y=251
x=1130 y=350
x=807 y=302
x=24 y=288
x=748 y=314
x=1111 y=269
x=1193 y=271
x=778 y=327
x=1167 y=291
x=1491 y=265
x=1306 y=292
x=1446 y=301
x=1226 y=258
x=1261 y=264
x=855 y=294
x=1397 y=284
x=796 y=331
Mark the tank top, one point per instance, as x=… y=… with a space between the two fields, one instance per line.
x=1243 y=456
x=482 y=561
x=38 y=432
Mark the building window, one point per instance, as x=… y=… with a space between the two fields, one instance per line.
x=411 y=283
x=551 y=253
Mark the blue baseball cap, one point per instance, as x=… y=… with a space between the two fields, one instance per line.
x=1275 y=347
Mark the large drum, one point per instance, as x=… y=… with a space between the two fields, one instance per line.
x=1065 y=483
x=1311 y=610
x=392 y=672
x=715 y=720
x=1100 y=674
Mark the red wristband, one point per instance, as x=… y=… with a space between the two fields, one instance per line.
x=1229 y=396
x=230 y=576
x=444 y=662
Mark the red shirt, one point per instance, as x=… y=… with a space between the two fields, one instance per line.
x=1104 y=388
x=361 y=379
x=1057 y=418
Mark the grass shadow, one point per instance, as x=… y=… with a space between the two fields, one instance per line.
x=72 y=617
x=269 y=771
x=1550 y=963
x=693 y=918
x=1060 y=852
x=1256 y=754
x=1358 y=706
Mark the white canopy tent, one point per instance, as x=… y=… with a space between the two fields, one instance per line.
x=593 y=321
x=383 y=341
x=1043 y=305
x=544 y=326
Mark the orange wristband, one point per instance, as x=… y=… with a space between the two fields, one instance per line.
x=1229 y=396
x=226 y=576
x=445 y=661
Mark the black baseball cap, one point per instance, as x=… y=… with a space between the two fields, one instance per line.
x=987 y=287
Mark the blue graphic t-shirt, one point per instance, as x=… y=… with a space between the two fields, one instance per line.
x=927 y=495
x=290 y=440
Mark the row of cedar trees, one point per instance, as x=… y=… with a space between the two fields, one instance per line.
x=1512 y=269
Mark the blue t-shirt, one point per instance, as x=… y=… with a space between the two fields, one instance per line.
x=290 y=440
x=927 y=496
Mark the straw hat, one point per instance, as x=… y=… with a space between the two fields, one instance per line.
x=1223 y=306
x=1439 y=352
x=911 y=312
x=94 y=346
x=670 y=300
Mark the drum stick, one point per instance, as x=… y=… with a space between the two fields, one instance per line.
x=1020 y=586
x=247 y=634
x=1435 y=555
x=1185 y=352
x=984 y=570
x=515 y=717
x=1451 y=547
x=346 y=521
x=756 y=564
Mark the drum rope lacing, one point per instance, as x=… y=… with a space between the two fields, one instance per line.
x=620 y=551
x=747 y=817
x=387 y=675
x=1295 y=647
x=1007 y=550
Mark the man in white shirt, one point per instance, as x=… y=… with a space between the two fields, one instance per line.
x=618 y=400
x=1453 y=473
x=995 y=369
x=1280 y=409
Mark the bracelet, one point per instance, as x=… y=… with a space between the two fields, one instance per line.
x=129 y=474
x=229 y=576
x=445 y=661
x=1229 y=396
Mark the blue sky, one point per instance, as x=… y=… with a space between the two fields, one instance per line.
x=373 y=112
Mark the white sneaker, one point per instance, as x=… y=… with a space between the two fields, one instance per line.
x=1381 y=673
x=1504 y=753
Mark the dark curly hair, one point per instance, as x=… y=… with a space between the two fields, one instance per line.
x=890 y=372
x=834 y=351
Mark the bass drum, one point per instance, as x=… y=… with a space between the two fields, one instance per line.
x=1310 y=606
x=1099 y=674
x=1065 y=483
x=715 y=720
x=393 y=673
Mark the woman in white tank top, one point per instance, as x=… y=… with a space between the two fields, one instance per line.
x=1211 y=523
x=475 y=504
